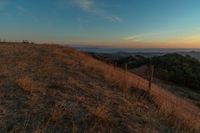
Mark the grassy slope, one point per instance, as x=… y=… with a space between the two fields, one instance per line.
x=46 y=88
x=181 y=91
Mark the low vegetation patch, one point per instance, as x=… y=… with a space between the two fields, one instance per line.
x=27 y=84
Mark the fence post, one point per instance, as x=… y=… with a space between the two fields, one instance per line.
x=125 y=77
x=125 y=68
x=115 y=65
x=151 y=73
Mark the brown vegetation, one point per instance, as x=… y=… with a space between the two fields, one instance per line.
x=27 y=84
x=173 y=107
x=50 y=88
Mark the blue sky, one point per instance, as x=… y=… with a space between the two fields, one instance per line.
x=115 y=23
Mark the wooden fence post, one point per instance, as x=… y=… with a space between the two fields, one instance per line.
x=125 y=68
x=115 y=65
x=151 y=73
x=125 y=77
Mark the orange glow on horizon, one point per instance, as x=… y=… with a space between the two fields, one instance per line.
x=130 y=44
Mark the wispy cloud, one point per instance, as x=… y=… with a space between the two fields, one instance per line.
x=86 y=5
x=132 y=38
x=22 y=9
x=91 y=6
x=113 y=18
x=149 y=35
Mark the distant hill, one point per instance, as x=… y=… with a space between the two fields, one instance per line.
x=51 y=88
x=192 y=54
x=118 y=55
x=125 y=52
x=183 y=70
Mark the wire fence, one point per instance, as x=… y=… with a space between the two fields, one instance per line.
x=183 y=110
x=180 y=107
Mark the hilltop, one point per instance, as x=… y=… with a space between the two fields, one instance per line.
x=52 y=88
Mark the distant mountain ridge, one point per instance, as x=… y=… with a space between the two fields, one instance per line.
x=135 y=50
x=120 y=54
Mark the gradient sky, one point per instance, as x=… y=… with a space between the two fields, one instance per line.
x=112 y=23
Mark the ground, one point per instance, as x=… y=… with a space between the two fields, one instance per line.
x=47 y=88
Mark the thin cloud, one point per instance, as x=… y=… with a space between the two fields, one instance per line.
x=113 y=18
x=133 y=38
x=85 y=5
x=91 y=6
x=146 y=36
x=22 y=9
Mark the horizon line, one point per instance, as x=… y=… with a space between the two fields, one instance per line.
x=93 y=46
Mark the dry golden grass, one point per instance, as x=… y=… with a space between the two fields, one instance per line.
x=69 y=91
x=101 y=113
x=27 y=84
x=176 y=109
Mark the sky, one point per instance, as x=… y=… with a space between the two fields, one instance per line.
x=106 y=23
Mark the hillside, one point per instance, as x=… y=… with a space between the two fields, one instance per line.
x=51 y=88
x=183 y=70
